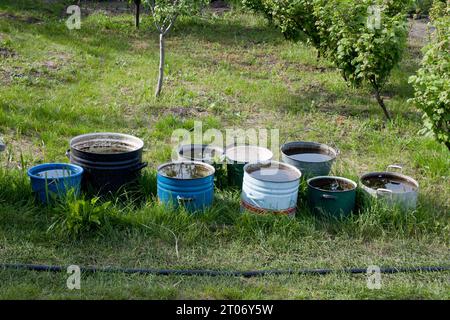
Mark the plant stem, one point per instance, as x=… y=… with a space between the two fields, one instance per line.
x=382 y=105
x=380 y=99
x=161 y=65
x=138 y=12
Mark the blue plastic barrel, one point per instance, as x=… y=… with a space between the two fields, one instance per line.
x=188 y=183
x=55 y=179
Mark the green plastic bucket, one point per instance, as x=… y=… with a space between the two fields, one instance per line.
x=332 y=196
x=238 y=156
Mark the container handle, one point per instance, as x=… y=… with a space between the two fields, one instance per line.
x=68 y=153
x=393 y=167
x=329 y=197
x=382 y=192
x=182 y=200
x=140 y=167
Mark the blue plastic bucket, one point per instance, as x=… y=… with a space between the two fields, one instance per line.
x=188 y=183
x=57 y=179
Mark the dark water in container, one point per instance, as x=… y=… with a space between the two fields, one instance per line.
x=199 y=153
x=105 y=148
x=395 y=185
x=54 y=174
x=310 y=157
x=185 y=171
x=330 y=184
x=274 y=174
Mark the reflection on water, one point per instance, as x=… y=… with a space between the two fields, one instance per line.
x=185 y=171
x=54 y=174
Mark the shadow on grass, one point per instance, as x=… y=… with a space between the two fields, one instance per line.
x=345 y=101
x=227 y=32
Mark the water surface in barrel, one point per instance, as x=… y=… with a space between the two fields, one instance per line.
x=199 y=153
x=105 y=147
x=311 y=157
x=275 y=174
x=330 y=184
x=54 y=174
x=308 y=154
x=185 y=171
x=390 y=183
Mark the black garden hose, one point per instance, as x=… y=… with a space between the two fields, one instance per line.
x=216 y=273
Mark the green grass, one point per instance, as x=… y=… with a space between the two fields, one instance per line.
x=228 y=71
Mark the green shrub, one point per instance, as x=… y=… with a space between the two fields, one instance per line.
x=258 y=6
x=421 y=6
x=295 y=18
x=432 y=82
x=439 y=9
x=363 y=52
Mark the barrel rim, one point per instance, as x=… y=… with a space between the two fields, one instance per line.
x=271 y=162
x=210 y=167
x=139 y=142
x=78 y=171
x=227 y=150
x=285 y=146
x=353 y=183
x=392 y=174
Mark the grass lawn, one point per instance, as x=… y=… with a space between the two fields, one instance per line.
x=230 y=70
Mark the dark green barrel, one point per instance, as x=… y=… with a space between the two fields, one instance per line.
x=332 y=196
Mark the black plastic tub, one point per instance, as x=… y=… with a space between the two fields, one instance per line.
x=110 y=160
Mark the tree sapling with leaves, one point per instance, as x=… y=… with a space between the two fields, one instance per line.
x=165 y=14
x=365 y=39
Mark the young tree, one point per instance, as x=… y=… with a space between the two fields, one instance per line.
x=165 y=14
x=364 y=48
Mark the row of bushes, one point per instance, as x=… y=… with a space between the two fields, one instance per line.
x=365 y=39
x=432 y=82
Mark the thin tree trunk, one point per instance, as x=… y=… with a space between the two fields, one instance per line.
x=380 y=100
x=161 y=65
x=138 y=12
x=382 y=105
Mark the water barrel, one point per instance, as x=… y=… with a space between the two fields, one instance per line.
x=110 y=160
x=332 y=196
x=238 y=156
x=200 y=152
x=311 y=158
x=270 y=187
x=395 y=189
x=186 y=183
